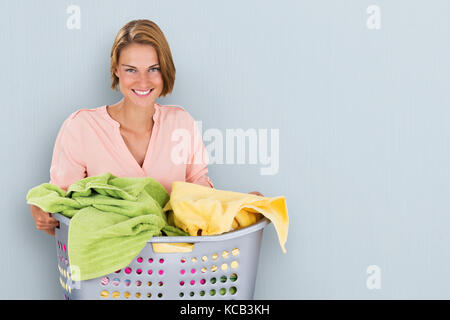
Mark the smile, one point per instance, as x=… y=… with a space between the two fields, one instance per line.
x=142 y=93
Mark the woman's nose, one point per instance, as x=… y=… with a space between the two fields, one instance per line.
x=144 y=79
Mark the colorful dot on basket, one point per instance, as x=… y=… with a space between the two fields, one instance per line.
x=105 y=281
x=149 y=283
x=203 y=270
x=127 y=282
x=139 y=271
x=234 y=264
x=139 y=259
x=192 y=271
x=183 y=260
x=138 y=283
x=181 y=283
x=118 y=271
x=116 y=281
x=126 y=294
x=235 y=252
x=233 y=290
x=161 y=272
x=224 y=267
x=194 y=259
x=225 y=254
x=160 y=283
x=192 y=282
x=161 y=260
x=104 y=294
x=150 y=260
x=204 y=258
x=233 y=277
x=182 y=271
x=150 y=271
x=115 y=294
x=127 y=270
x=215 y=256
x=202 y=281
x=138 y=294
x=213 y=268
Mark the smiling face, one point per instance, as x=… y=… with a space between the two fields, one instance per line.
x=139 y=74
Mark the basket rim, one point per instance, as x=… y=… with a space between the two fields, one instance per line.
x=194 y=239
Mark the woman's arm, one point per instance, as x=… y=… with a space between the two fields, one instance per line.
x=66 y=168
x=67 y=164
x=197 y=166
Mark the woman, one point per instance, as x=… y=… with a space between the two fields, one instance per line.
x=134 y=137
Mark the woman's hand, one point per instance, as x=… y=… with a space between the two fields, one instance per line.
x=256 y=193
x=43 y=220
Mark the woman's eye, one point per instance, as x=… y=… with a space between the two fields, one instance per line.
x=133 y=70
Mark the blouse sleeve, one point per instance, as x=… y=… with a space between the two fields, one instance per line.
x=67 y=166
x=197 y=167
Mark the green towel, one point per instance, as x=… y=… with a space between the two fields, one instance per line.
x=111 y=219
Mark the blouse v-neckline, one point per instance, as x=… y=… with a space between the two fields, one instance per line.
x=124 y=146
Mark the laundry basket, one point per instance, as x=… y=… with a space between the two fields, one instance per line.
x=218 y=267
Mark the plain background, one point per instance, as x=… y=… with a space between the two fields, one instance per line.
x=362 y=114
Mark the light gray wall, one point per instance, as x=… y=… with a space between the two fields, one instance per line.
x=362 y=114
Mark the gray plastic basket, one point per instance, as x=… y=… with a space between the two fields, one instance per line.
x=219 y=267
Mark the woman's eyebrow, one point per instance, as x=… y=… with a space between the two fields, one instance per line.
x=127 y=65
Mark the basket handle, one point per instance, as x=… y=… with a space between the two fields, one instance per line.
x=194 y=239
x=220 y=237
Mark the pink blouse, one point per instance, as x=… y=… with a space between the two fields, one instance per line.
x=89 y=143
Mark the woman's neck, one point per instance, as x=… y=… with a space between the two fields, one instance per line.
x=135 y=118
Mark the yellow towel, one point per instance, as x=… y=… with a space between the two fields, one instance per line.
x=201 y=210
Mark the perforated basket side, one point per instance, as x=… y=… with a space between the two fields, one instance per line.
x=219 y=267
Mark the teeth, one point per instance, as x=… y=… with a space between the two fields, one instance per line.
x=142 y=93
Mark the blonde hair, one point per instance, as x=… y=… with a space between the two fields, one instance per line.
x=144 y=31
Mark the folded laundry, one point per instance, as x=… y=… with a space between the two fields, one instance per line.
x=111 y=219
x=201 y=210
